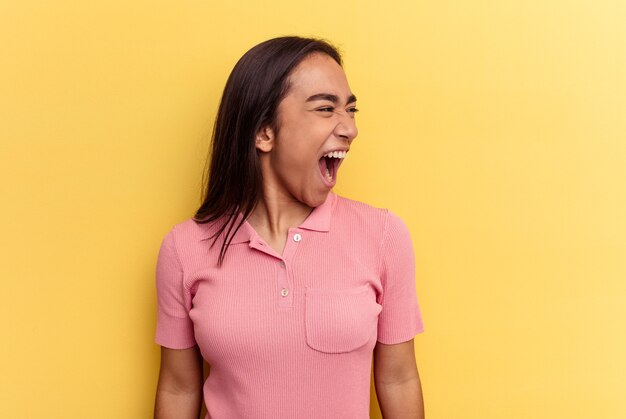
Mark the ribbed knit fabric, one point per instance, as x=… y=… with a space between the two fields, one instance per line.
x=290 y=336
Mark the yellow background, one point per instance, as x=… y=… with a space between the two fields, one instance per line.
x=495 y=129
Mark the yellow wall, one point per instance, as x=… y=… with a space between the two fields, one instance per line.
x=496 y=129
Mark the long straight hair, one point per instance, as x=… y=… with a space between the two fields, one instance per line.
x=253 y=91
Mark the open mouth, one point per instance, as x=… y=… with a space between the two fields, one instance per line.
x=329 y=165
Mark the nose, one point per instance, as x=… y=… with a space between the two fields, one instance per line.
x=346 y=127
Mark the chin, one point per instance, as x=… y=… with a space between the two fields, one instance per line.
x=314 y=199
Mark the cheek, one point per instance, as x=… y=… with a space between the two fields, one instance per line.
x=299 y=148
x=295 y=163
x=286 y=158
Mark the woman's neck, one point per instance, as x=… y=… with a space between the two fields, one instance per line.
x=274 y=215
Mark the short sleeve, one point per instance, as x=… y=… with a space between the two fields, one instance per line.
x=401 y=318
x=174 y=328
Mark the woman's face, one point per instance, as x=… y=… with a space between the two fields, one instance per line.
x=315 y=118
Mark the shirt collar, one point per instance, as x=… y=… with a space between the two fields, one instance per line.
x=244 y=234
x=318 y=220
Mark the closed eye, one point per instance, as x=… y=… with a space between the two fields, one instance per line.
x=330 y=109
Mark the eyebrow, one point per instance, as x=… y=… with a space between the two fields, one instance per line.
x=330 y=97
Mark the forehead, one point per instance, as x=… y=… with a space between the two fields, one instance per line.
x=318 y=73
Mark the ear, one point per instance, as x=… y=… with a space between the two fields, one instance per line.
x=264 y=140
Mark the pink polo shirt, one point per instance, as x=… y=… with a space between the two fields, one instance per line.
x=290 y=336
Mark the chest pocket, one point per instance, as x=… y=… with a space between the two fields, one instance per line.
x=340 y=320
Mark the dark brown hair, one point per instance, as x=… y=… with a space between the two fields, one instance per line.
x=255 y=87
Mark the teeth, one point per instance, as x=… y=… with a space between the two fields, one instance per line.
x=337 y=154
x=329 y=177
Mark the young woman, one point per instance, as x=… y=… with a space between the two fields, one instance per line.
x=284 y=288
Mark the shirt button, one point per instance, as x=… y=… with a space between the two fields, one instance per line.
x=282 y=264
x=297 y=237
x=284 y=292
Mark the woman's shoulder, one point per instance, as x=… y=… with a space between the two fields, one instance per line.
x=365 y=214
x=352 y=207
x=191 y=230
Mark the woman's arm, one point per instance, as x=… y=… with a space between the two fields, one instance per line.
x=397 y=381
x=179 y=391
